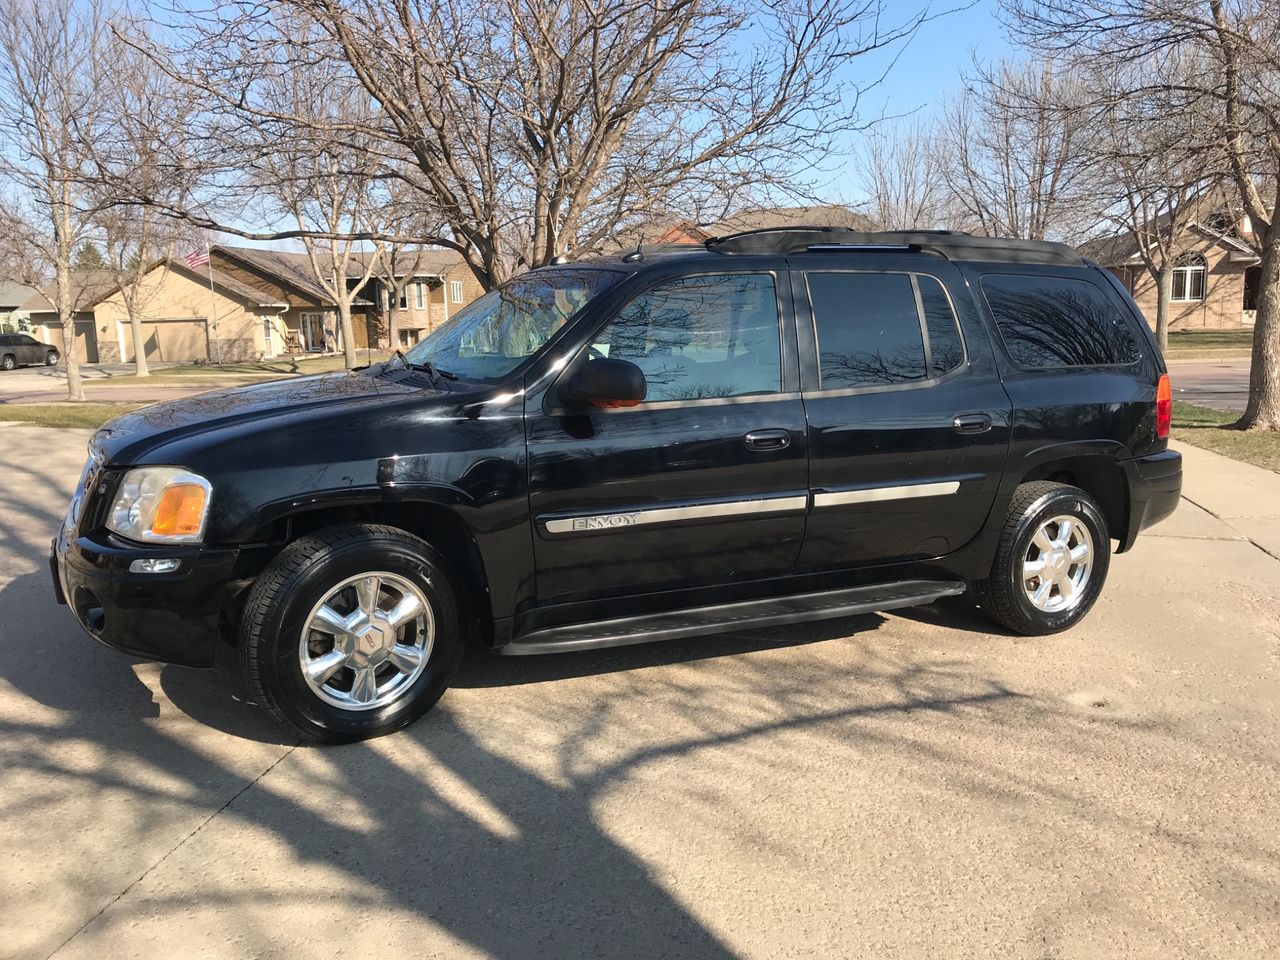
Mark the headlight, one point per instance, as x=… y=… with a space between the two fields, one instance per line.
x=160 y=505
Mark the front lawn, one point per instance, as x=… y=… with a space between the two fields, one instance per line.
x=1209 y=344
x=1210 y=429
x=216 y=373
x=65 y=414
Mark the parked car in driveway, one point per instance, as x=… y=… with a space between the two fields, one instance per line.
x=776 y=426
x=24 y=350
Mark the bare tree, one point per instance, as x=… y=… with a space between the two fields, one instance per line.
x=139 y=140
x=51 y=81
x=901 y=175
x=1011 y=151
x=331 y=189
x=1143 y=179
x=1228 y=59
x=533 y=129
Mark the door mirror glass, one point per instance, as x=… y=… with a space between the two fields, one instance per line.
x=604 y=383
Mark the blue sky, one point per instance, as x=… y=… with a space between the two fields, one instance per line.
x=929 y=68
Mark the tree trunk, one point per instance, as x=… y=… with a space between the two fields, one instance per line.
x=348 y=337
x=140 y=368
x=1263 y=409
x=75 y=388
x=1164 y=296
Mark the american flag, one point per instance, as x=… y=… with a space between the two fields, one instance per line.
x=196 y=258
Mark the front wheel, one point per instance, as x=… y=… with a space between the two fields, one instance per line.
x=51 y=359
x=350 y=633
x=7 y=362
x=1051 y=560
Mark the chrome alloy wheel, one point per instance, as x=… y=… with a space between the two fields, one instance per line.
x=367 y=641
x=1056 y=568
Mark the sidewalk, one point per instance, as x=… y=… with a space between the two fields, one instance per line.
x=1244 y=497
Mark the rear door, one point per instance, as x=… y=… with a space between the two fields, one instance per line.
x=703 y=483
x=908 y=419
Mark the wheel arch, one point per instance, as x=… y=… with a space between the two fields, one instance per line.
x=432 y=515
x=1096 y=470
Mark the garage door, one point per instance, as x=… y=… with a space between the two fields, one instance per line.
x=86 y=340
x=174 y=340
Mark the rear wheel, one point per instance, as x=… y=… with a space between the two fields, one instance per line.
x=350 y=633
x=51 y=358
x=8 y=362
x=1051 y=561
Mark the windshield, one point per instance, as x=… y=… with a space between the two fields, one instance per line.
x=492 y=336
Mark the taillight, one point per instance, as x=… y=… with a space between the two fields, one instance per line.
x=1164 y=406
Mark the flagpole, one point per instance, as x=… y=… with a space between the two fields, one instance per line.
x=213 y=305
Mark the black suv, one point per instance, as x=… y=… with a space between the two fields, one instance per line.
x=778 y=426
x=21 y=350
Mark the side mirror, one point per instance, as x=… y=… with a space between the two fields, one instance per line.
x=604 y=383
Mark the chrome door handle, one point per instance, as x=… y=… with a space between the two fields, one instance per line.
x=971 y=423
x=767 y=439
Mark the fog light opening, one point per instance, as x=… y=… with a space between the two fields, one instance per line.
x=155 y=565
x=89 y=611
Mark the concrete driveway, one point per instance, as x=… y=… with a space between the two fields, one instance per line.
x=1220 y=384
x=888 y=786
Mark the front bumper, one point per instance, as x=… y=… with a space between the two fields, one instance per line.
x=173 y=617
x=1155 y=485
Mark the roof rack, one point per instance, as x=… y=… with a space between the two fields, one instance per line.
x=948 y=244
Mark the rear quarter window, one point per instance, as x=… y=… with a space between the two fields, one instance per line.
x=1054 y=322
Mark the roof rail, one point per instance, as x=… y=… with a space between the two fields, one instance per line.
x=949 y=244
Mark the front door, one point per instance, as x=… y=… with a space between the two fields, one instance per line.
x=908 y=428
x=701 y=484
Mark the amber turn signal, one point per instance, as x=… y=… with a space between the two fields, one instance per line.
x=180 y=510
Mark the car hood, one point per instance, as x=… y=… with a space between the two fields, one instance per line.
x=126 y=437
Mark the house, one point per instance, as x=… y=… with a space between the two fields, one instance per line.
x=824 y=215
x=432 y=287
x=1215 y=278
x=86 y=287
x=12 y=297
x=246 y=304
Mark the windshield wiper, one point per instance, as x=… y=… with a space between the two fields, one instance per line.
x=429 y=369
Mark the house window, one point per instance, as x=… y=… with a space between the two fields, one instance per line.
x=404 y=297
x=418 y=295
x=1188 y=277
x=455 y=290
x=268 y=349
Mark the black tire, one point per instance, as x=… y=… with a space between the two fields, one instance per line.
x=1002 y=596
x=284 y=595
x=8 y=362
x=51 y=358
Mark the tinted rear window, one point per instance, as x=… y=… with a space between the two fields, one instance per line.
x=868 y=329
x=1057 y=322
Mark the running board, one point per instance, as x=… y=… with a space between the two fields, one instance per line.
x=743 y=615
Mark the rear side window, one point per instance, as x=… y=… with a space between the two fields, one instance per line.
x=871 y=329
x=1049 y=322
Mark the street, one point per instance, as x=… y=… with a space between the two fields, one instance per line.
x=899 y=785
x=1220 y=384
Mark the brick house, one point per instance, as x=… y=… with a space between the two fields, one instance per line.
x=432 y=289
x=1215 y=279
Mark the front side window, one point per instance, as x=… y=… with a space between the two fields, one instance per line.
x=1189 y=277
x=1051 y=322
x=699 y=338
x=491 y=336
